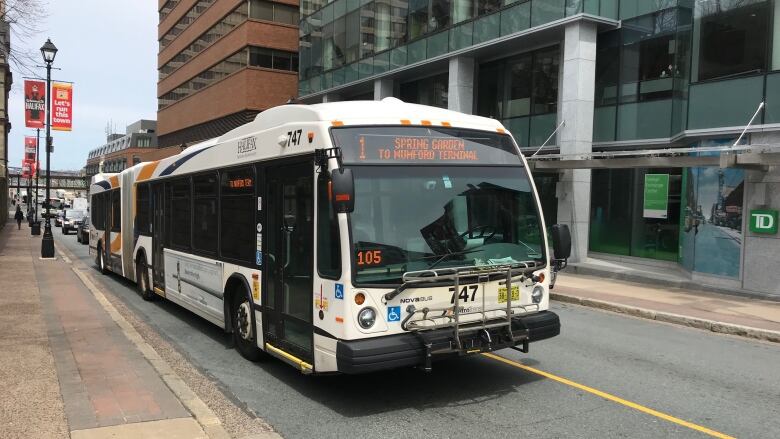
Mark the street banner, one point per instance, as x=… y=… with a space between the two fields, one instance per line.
x=30 y=148
x=62 y=106
x=26 y=169
x=34 y=104
x=656 y=203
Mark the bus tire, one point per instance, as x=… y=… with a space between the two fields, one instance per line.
x=242 y=318
x=101 y=260
x=142 y=279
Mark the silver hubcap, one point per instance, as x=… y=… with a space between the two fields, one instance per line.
x=243 y=322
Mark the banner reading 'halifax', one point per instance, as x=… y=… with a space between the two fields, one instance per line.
x=34 y=104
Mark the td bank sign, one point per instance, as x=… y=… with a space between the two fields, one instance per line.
x=763 y=221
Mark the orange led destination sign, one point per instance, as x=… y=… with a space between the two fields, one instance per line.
x=240 y=183
x=424 y=145
x=414 y=148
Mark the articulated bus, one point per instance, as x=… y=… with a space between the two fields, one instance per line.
x=341 y=237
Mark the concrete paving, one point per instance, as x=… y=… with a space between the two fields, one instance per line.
x=30 y=403
x=690 y=307
x=70 y=366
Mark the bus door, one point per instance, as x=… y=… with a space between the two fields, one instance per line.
x=288 y=261
x=158 y=224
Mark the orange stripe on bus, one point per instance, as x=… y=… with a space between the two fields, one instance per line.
x=147 y=171
x=114 y=180
x=426 y=122
x=406 y=122
x=446 y=124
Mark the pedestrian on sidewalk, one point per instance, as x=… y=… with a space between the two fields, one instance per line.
x=19 y=216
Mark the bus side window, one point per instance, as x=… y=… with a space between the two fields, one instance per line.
x=328 y=243
x=116 y=206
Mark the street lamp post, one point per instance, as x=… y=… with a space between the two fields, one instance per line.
x=49 y=51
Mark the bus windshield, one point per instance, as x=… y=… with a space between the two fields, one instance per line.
x=410 y=218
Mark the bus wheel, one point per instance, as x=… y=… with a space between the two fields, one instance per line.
x=142 y=279
x=101 y=260
x=244 y=327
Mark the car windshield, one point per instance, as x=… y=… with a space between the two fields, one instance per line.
x=75 y=214
x=410 y=218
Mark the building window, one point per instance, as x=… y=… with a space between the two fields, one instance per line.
x=278 y=12
x=730 y=38
x=217 y=72
x=273 y=59
x=205 y=40
x=185 y=22
x=648 y=57
x=431 y=91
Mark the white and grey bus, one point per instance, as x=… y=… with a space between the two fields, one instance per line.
x=341 y=237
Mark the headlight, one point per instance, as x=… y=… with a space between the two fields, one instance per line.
x=537 y=293
x=366 y=317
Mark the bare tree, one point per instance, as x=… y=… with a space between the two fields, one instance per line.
x=20 y=21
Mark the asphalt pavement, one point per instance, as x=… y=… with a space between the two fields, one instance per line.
x=658 y=380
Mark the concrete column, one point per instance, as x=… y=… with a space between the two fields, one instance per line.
x=576 y=99
x=460 y=90
x=383 y=88
x=331 y=97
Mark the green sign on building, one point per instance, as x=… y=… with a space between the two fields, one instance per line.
x=763 y=221
x=656 y=203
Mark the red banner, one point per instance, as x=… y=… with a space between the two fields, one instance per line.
x=30 y=147
x=27 y=169
x=62 y=106
x=34 y=104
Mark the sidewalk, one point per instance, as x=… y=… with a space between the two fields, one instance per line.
x=72 y=366
x=730 y=314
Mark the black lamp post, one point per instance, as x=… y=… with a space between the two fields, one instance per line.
x=49 y=51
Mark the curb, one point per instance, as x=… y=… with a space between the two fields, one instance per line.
x=677 y=319
x=208 y=421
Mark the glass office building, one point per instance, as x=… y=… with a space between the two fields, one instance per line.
x=608 y=75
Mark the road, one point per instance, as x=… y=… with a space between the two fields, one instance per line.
x=725 y=384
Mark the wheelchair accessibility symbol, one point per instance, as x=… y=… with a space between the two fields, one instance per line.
x=393 y=313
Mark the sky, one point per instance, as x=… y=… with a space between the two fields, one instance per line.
x=108 y=48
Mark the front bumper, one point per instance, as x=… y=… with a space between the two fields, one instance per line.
x=408 y=350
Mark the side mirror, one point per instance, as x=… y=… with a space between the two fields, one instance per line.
x=561 y=239
x=343 y=190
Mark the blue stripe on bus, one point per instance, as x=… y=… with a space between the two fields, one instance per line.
x=172 y=167
x=104 y=184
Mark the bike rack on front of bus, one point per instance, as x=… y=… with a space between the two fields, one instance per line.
x=422 y=321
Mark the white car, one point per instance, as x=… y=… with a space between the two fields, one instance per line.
x=71 y=219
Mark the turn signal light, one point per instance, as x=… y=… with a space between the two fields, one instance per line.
x=541 y=277
x=360 y=298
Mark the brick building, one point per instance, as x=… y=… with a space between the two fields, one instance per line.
x=221 y=62
x=138 y=144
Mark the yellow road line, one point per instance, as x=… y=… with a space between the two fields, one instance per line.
x=610 y=397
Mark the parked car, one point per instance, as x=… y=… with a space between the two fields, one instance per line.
x=82 y=232
x=71 y=219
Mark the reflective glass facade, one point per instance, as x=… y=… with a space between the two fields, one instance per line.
x=668 y=73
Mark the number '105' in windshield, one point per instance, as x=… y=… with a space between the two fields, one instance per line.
x=410 y=218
